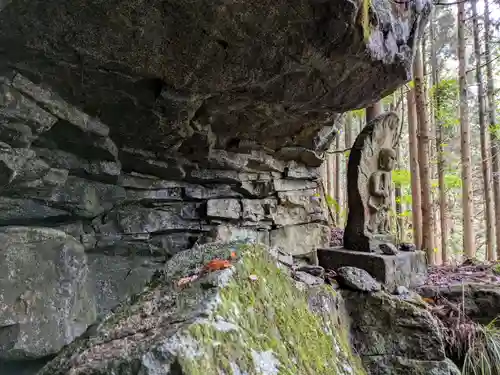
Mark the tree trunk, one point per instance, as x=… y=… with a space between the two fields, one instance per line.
x=416 y=203
x=330 y=170
x=336 y=177
x=348 y=144
x=423 y=155
x=495 y=141
x=398 y=196
x=467 y=194
x=485 y=154
x=438 y=126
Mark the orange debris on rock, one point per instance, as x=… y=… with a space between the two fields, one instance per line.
x=216 y=265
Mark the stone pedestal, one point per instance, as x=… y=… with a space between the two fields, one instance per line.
x=408 y=269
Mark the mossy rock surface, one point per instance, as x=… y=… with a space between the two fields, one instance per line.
x=250 y=319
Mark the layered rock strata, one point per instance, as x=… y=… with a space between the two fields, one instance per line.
x=131 y=131
x=116 y=214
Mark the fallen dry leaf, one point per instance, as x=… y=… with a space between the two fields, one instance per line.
x=186 y=280
x=216 y=265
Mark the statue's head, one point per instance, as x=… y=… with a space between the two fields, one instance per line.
x=386 y=159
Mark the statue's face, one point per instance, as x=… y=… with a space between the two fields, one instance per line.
x=387 y=160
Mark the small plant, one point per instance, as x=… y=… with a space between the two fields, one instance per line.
x=496 y=269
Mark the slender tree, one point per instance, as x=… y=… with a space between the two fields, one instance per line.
x=423 y=155
x=416 y=202
x=336 y=185
x=467 y=195
x=397 y=189
x=485 y=154
x=348 y=144
x=438 y=126
x=495 y=141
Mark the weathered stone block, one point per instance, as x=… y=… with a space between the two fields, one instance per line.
x=408 y=269
x=300 y=207
x=24 y=211
x=301 y=239
x=224 y=208
x=167 y=194
x=137 y=219
x=227 y=233
x=295 y=170
x=290 y=185
x=45 y=293
x=113 y=278
x=386 y=325
x=210 y=192
x=257 y=188
x=258 y=210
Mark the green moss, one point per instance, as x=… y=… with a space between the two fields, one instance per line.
x=269 y=314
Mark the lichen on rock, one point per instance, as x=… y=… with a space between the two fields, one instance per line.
x=247 y=319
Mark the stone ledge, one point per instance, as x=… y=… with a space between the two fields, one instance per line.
x=408 y=269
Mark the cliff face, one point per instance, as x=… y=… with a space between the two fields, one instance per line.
x=131 y=130
x=190 y=76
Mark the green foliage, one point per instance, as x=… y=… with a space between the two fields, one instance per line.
x=452 y=181
x=341 y=213
x=401 y=177
x=330 y=201
x=445 y=92
x=495 y=130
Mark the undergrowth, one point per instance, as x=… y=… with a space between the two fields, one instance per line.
x=473 y=347
x=483 y=354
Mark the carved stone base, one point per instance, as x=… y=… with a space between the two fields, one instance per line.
x=408 y=269
x=367 y=244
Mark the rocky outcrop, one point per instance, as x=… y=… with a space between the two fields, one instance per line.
x=133 y=131
x=117 y=214
x=396 y=335
x=242 y=319
x=190 y=77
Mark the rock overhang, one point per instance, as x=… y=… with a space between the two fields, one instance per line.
x=190 y=77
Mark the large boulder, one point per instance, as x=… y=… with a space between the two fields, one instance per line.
x=45 y=298
x=249 y=318
x=395 y=335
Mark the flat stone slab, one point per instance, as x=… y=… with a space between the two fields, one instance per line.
x=408 y=269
